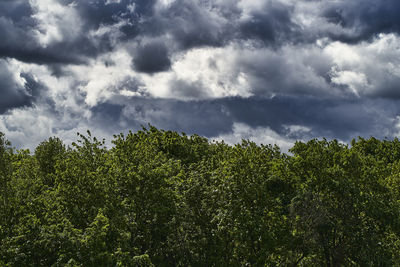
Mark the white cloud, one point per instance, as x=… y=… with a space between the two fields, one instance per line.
x=112 y=32
x=243 y=70
x=355 y=81
x=248 y=7
x=56 y=22
x=15 y=70
x=214 y=69
x=343 y=55
x=259 y=135
x=103 y=77
x=297 y=129
x=367 y=68
x=108 y=2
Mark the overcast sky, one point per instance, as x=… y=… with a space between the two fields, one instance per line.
x=274 y=71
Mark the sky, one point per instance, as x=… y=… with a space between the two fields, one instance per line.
x=273 y=71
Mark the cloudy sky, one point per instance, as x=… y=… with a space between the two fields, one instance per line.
x=274 y=71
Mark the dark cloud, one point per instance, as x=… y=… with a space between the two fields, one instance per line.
x=32 y=87
x=187 y=24
x=19 y=11
x=331 y=118
x=61 y=53
x=14 y=30
x=107 y=113
x=366 y=19
x=215 y=24
x=206 y=118
x=270 y=24
x=106 y=13
x=191 y=90
x=151 y=58
x=21 y=90
x=17 y=29
x=13 y=94
x=193 y=25
x=334 y=118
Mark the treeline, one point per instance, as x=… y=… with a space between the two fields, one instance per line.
x=166 y=199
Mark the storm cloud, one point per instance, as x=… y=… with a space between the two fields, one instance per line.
x=271 y=70
x=286 y=116
x=151 y=58
x=15 y=90
x=365 y=19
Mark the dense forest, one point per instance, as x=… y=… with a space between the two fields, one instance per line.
x=160 y=198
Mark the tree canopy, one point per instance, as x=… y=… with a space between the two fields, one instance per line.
x=160 y=198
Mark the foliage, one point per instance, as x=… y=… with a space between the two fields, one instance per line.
x=159 y=198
